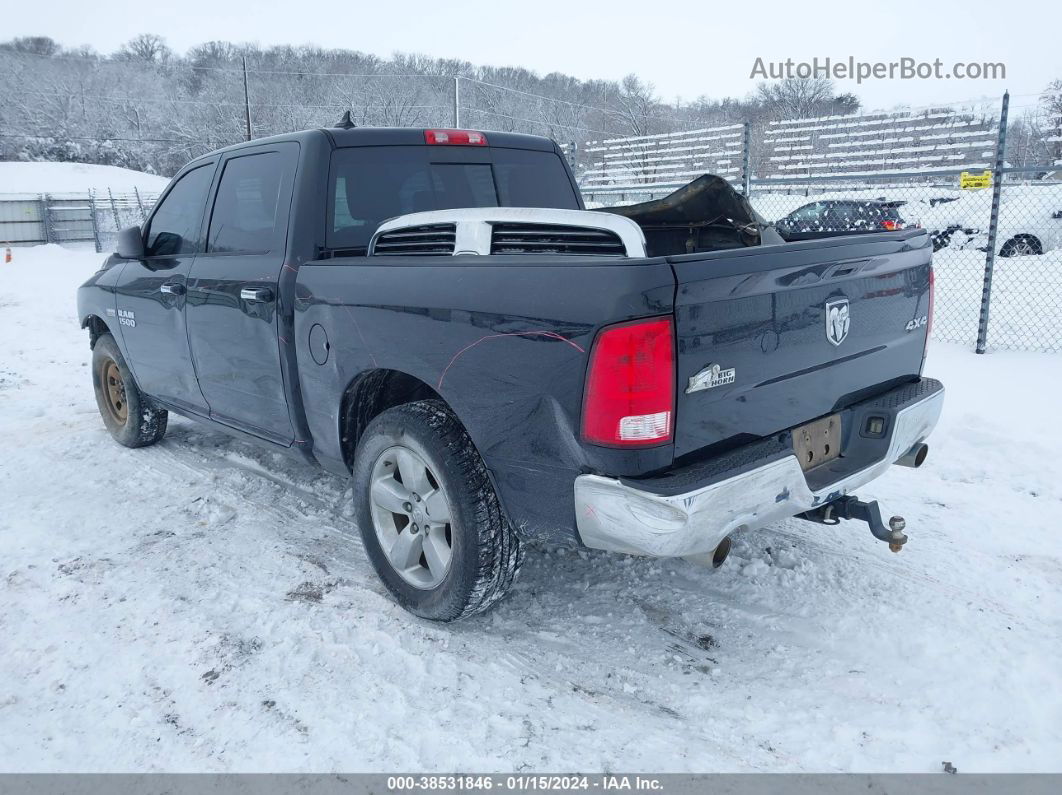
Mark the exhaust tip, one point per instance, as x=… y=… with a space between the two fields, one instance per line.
x=722 y=552
x=914 y=457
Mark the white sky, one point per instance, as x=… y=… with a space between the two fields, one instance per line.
x=685 y=47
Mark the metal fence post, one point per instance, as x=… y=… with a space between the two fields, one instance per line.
x=95 y=223
x=139 y=203
x=457 y=102
x=993 y=227
x=746 y=159
x=46 y=214
x=114 y=212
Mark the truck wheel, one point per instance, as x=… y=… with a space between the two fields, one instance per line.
x=429 y=516
x=126 y=412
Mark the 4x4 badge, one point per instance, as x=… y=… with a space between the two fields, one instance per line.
x=711 y=376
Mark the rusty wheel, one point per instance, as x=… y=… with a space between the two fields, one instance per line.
x=130 y=416
x=114 y=390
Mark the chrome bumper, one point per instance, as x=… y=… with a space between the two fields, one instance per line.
x=613 y=516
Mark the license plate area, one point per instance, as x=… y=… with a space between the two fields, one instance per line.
x=818 y=442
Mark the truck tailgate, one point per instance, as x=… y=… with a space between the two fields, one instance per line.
x=763 y=313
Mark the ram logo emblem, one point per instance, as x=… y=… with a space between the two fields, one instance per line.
x=838 y=320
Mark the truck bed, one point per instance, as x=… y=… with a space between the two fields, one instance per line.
x=505 y=340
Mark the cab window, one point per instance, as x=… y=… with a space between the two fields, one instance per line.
x=175 y=227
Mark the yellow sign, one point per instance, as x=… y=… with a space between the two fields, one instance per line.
x=970 y=181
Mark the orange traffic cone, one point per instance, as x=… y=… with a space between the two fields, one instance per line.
x=7 y=255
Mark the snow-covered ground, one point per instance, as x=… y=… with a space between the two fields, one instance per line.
x=204 y=605
x=37 y=178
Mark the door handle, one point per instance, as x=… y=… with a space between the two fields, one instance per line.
x=260 y=294
x=172 y=288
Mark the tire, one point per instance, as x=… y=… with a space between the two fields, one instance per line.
x=128 y=414
x=484 y=550
x=1022 y=246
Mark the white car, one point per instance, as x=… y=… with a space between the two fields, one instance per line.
x=1030 y=219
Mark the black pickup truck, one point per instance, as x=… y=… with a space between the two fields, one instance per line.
x=436 y=314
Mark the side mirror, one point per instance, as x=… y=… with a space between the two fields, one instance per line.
x=130 y=243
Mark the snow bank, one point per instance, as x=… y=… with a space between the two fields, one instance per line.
x=38 y=178
x=202 y=605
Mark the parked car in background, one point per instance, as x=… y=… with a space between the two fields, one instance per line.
x=1030 y=220
x=836 y=217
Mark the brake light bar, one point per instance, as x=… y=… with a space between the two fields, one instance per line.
x=630 y=385
x=455 y=138
x=932 y=300
x=929 y=314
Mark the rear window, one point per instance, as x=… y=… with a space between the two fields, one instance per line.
x=368 y=185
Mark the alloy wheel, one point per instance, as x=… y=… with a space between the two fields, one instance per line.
x=411 y=517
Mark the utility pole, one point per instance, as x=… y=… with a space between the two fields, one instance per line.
x=246 y=99
x=457 y=102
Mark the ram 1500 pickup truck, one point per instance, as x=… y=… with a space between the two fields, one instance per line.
x=435 y=314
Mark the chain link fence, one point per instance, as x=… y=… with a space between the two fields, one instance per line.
x=92 y=217
x=1025 y=303
x=996 y=228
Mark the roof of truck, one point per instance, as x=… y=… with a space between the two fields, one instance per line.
x=394 y=136
x=376 y=136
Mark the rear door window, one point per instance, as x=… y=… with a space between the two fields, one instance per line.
x=845 y=216
x=368 y=185
x=249 y=215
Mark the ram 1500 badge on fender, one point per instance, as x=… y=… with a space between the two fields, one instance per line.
x=435 y=315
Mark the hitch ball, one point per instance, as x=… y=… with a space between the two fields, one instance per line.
x=897 y=524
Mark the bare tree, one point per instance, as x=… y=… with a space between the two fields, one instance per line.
x=803 y=98
x=1051 y=102
x=147 y=47
x=33 y=45
x=636 y=105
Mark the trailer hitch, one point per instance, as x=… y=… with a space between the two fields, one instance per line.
x=851 y=507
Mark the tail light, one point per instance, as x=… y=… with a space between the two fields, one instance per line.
x=455 y=137
x=932 y=298
x=929 y=315
x=890 y=226
x=630 y=385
